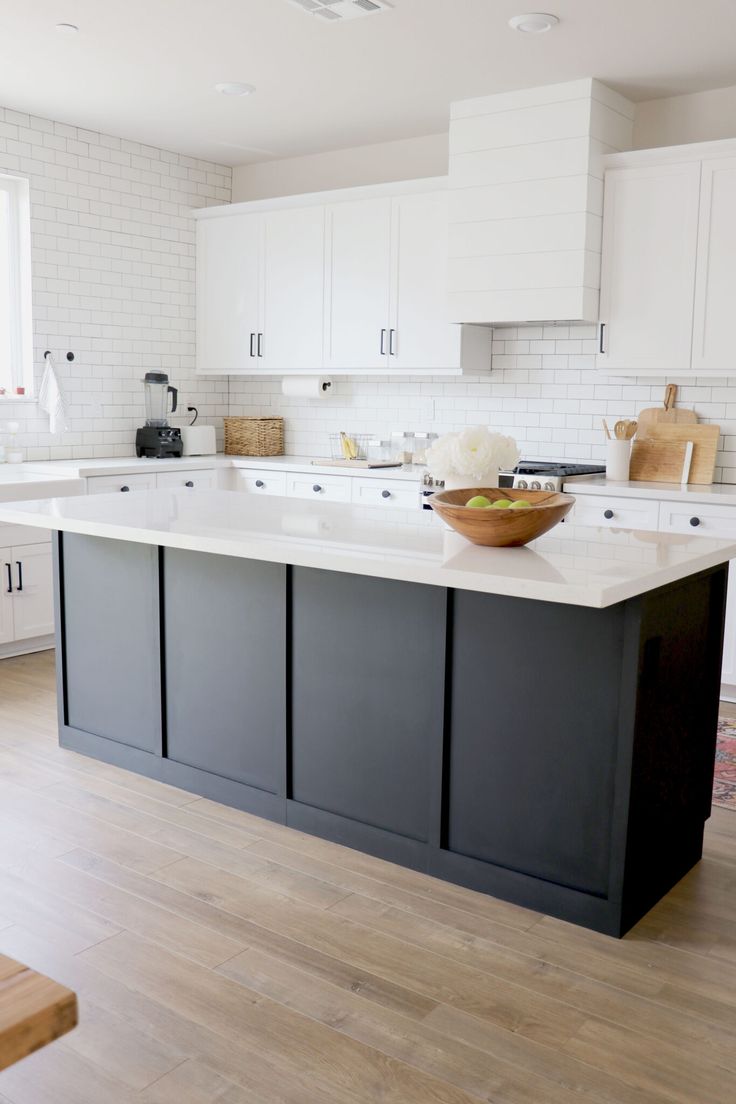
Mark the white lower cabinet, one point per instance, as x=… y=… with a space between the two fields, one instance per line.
x=201 y=479
x=320 y=487
x=27 y=601
x=257 y=481
x=108 y=484
x=614 y=512
x=728 y=669
x=391 y=493
x=205 y=479
x=702 y=519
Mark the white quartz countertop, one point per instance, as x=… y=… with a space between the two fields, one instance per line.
x=575 y=565
x=117 y=465
x=719 y=494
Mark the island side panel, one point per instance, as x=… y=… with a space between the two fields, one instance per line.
x=367 y=678
x=674 y=737
x=225 y=666
x=111 y=641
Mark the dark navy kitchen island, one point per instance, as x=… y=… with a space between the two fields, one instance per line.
x=555 y=754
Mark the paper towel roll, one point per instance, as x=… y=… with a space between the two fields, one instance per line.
x=306 y=387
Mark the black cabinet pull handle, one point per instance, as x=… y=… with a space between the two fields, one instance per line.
x=125 y=488
x=695 y=521
x=601 y=348
x=260 y=344
x=20 y=574
x=383 y=342
x=252 y=344
x=608 y=514
x=316 y=488
x=10 y=579
x=392 y=342
x=260 y=483
x=189 y=483
x=385 y=494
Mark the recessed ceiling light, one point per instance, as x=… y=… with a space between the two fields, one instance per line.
x=235 y=88
x=533 y=22
x=67 y=28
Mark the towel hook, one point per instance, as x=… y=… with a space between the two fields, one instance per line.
x=48 y=353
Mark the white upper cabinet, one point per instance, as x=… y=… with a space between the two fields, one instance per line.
x=715 y=280
x=669 y=261
x=419 y=334
x=358 y=284
x=650 y=233
x=292 y=290
x=345 y=282
x=228 y=294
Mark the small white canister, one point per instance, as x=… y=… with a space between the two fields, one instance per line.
x=618 y=458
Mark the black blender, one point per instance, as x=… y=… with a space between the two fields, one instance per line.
x=157 y=438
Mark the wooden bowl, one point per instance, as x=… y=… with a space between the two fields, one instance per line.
x=501 y=528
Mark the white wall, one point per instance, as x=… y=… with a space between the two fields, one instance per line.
x=700 y=117
x=409 y=159
x=113 y=278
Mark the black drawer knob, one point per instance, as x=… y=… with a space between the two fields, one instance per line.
x=694 y=521
x=385 y=494
x=189 y=483
x=316 y=488
x=260 y=483
x=125 y=488
x=608 y=514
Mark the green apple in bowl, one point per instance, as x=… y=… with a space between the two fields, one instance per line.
x=502 y=504
x=478 y=502
x=520 y=504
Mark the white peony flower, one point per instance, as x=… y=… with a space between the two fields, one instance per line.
x=475 y=452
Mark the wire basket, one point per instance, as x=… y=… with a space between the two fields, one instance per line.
x=359 y=440
x=254 y=436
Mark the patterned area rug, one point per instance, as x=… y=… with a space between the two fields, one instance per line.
x=724 y=785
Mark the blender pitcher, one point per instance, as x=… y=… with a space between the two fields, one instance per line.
x=156 y=389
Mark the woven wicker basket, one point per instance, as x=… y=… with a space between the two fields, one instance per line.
x=254 y=436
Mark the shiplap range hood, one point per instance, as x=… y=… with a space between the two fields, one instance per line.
x=526 y=201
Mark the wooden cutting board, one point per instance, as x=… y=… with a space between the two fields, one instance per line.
x=660 y=455
x=666 y=414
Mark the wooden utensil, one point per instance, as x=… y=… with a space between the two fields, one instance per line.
x=668 y=414
x=501 y=528
x=660 y=456
x=624 y=429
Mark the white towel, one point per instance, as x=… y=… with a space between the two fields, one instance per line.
x=50 y=398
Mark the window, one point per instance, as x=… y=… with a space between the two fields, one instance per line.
x=16 y=340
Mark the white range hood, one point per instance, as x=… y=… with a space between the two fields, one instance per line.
x=526 y=201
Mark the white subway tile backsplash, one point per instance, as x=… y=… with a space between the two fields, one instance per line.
x=113 y=278
x=552 y=402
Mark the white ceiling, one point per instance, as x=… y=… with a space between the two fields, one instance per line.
x=145 y=69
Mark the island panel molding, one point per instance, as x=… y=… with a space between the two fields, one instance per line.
x=404 y=725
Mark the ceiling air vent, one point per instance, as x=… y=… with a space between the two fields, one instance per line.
x=335 y=10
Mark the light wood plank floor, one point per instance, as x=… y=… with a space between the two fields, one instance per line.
x=218 y=957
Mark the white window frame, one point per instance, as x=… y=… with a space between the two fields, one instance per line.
x=18 y=260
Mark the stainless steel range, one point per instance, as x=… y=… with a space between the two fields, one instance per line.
x=528 y=475
x=547 y=475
